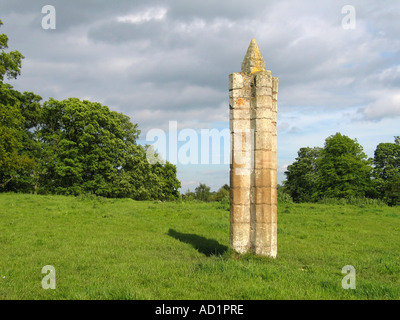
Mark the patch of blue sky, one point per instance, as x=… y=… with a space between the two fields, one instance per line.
x=389 y=54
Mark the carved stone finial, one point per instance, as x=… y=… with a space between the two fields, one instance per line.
x=253 y=61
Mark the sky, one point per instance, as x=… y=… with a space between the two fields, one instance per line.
x=166 y=65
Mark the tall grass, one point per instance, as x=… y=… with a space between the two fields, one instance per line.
x=125 y=249
x=353 y=201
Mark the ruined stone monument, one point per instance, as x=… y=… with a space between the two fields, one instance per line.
x=253 y=172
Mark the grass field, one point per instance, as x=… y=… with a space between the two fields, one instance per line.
x=124 y=249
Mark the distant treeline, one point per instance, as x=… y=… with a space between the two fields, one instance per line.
x=340 y=173
x=202 y=193
x=72 y=147
x=341 y=170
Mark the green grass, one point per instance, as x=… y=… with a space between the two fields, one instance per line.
x=124 y=249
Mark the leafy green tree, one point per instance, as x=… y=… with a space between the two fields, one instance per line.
x=202 y=192
x=141 y=180
x=86 y=145
x=225 y=187
x=30 y=108
x=10 y=63
x=222 y=195
x=302 y=175
x=283 y=195
x=387 y=160
x=90 y=149
x=387 y=170
x=13 y=161
x=189 y=195
x=392 y=190
x=344 y=170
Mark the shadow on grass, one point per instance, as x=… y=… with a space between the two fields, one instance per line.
x=208 y=247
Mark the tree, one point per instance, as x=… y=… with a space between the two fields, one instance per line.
x=344 y=170
x=225 y=187
x=202 y=192
x=387 y=170
x=13 y=162
x=29 y=107
x=90 y=149
x=387 y=160
x=10 y=63
x=222 y=195
x=392 y=191
x=140 y=179
x=302 y=175
x=86 y=145
x=189 y=195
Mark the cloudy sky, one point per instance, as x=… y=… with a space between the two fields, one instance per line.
x=169 y=61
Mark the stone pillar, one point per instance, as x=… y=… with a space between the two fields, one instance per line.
x=241 y=160
x=253 y=174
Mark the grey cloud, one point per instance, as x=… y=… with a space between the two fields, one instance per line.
x=387 y=105
x=302 y=49
x=70 y=13
x=115 y=32
x=210 y=9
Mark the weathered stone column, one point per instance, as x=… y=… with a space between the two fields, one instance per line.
x=241 y=160
x=253 y=176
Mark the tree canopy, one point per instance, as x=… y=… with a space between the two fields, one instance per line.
x=338 y=170
x=387 y=171
x=10 y=63
x=344 y=170
x=13 y=161
x=302 y=175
